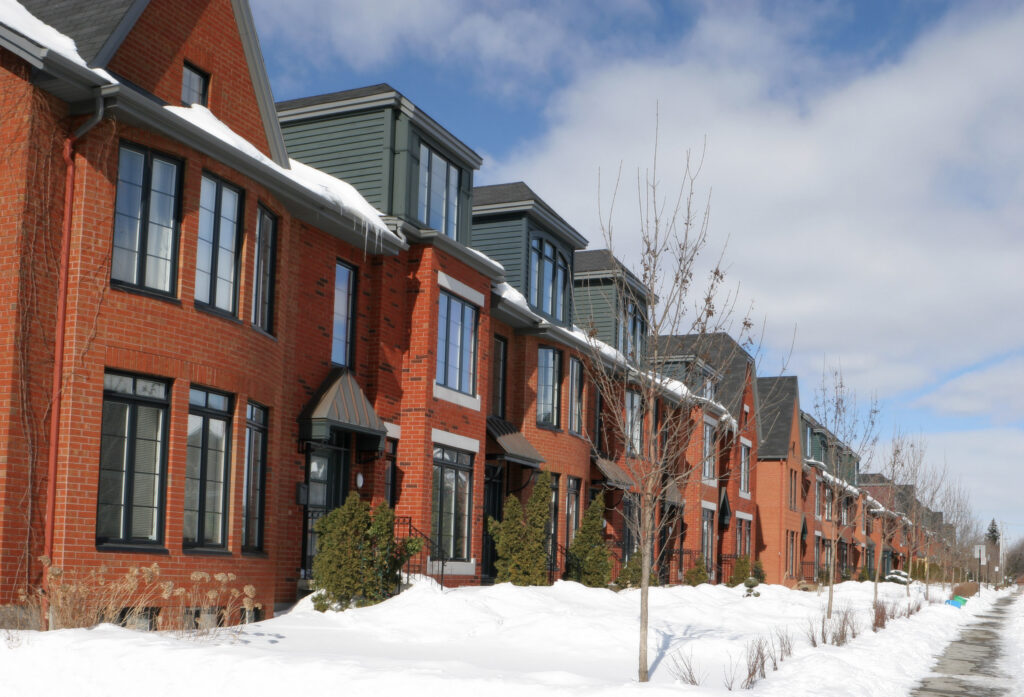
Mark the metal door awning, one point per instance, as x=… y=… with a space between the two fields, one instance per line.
x=613 y=474
x=514 y=446
x=339 y=403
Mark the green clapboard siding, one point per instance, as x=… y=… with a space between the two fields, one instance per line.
x=347 y=146
x=504 y=240
x=594 y=306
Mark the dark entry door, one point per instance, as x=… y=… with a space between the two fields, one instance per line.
x=494 y=489
x=327 y=486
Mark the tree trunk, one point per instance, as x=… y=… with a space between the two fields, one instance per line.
x=878 y=564
x=831 y=573
x=646 y=547
x=910 y=570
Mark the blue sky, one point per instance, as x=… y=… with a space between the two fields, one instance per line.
x=864 y=163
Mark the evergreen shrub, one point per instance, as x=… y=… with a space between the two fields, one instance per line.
x=696 y=574
x=588 y=561
x=519 y=539
x=740 y=571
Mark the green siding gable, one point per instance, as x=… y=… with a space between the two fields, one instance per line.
x=504 y=240
x=594 y=305
x=353 y=147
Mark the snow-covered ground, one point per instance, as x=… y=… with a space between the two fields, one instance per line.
x=500 y=640
x=1013 y=648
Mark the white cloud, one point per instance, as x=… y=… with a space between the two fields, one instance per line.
x=992 y=391
x=880 y=214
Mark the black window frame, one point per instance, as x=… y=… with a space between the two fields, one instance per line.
x=632 y=328
x=576 y=410
x=133 y=401
x=350 y=320
x=264 y=277
x=551 y=534
x=573 y=485
x=149 y=155
x=499 y=377
x=450 y=216
x=211 y=304
x=446 y=458
x=745 y=451
x=441 y=377
x=551 y=298
x=634 y=434
x=206 y=413
x=555 y=376
x=204 y=80
x=391 y=472
x=255 y=427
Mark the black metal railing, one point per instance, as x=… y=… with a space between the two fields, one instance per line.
x=420 y=563
x=726 y=566
x=807 y=572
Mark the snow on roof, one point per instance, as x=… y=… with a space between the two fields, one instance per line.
x=342 y=195
x=339 y=194
x=849 y=488
x=15 y=16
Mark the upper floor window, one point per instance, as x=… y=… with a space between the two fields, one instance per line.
x=456 y=344
x=549 y=279
x=707 y=387
x=195 y=86
x=344 y=296
x=133 y=457
x=498 y=363
x=632 y=328
x=206 y=468
x=745 y=471
x=709 y=451
x=634 y=423
x=220 y=217
x=263 y=271
x=549 y=379
x=438 y=192
x=146 y=220
x=575 y=396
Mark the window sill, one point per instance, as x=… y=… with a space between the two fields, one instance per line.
x=255 y=554
x=549 y=427
x=263 y=332
x=709 y=481
x=145 y=292
x=745 y=495
x=216 y=312
x=127 y=548
x=207 y=552
x=452 y=568
x=455 y=397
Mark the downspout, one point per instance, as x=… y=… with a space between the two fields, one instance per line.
x=58 y=342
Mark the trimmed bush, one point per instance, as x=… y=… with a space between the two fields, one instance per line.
x=740 y=571
x=519 y=539
x=358 y=559
x=757 y=571
x=589 y=562
x=630 y=574
x=697 y=574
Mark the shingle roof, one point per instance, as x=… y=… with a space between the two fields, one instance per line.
x=777 y=398
x=89 y=22
x=516 y=192
x=723 y=354
x=589 y=260
x=356 y=93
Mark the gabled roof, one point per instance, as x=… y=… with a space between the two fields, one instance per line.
x=778 y=401
x=97 y=26
x=601 y=263
x=517 y=197
x=721 y=352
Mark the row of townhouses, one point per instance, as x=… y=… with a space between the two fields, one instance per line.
x=223 y=315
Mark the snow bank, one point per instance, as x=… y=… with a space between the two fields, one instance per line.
x=502 y=640
x=1013 y=648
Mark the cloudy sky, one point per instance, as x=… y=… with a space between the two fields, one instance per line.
x=864 y=162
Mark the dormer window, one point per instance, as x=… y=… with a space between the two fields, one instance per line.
x=632 y=328
x=549 y=279
x=439 y=192
x=195 y=86
x=707 y=389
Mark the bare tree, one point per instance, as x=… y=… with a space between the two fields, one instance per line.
x=648 y=418
x=851 y=433
x=924 y=491
x=883 y=488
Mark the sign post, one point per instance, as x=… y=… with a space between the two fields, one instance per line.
x=979 y=554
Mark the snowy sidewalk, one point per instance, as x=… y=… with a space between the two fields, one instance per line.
x=971 y=664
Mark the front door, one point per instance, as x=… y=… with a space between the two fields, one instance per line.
x=327 y=486
x=494 y=504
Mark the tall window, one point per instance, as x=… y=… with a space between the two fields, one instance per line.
x=133 y=456
x=456 y=344
x=146 y=220
x=344 y=302
x=572 y=508
x=391 y=471
x=817 y=499
x=498 y=366
x=552 y=531
x=709 y=451
x=453 y=479
x=634 y=423
x=195 y=86
x=549 y=378
x=549 y=279
x=206 y=468
x=745 y=469
x=255 y=476
x=632 y=328
x=707 y=539
x=263 y=271
x=828 y=504
x=746 y=537
x=792 y=489
x=220 y=218
x=575 y=396
x=438 y=192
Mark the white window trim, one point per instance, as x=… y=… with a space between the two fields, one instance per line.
x=453 y=285
x=454 y=440
x=393 y=430
x=468 y=401
x=744 y=516
x=709 y=505
x=713 y=481
x=817 y=533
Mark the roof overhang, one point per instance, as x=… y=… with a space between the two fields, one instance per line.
x=614 y=475
x=724 y=510
x=339 y=403
x=514 y=445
